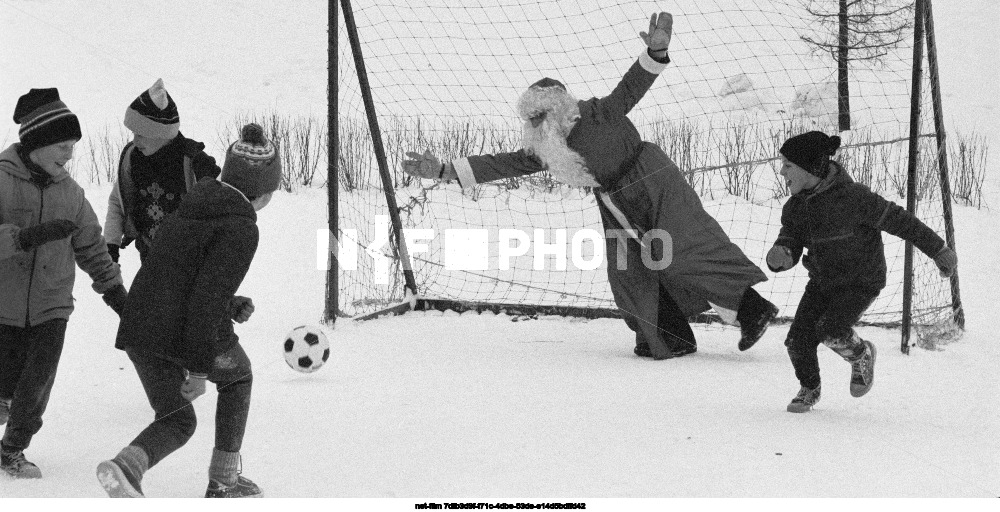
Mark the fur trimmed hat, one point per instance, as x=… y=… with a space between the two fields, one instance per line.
x=44 y=120
x=811 y=151
x=153 y=114
x=252 y=163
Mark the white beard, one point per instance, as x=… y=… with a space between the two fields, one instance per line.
x=548 y=143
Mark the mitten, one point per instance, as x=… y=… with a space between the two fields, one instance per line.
x=193 y=386
x=49 y=231
x=946 y=261
x=779 y=258
x=240 y=309
x=428 y=166
x=113 y=251
x=116 y=298
x=658 y=38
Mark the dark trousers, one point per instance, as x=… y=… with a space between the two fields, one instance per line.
x=175 y=420
x=823 y=316
x=672 y=324
x=29 y=357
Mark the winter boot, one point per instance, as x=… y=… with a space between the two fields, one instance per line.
x=225 y=480
x=121 y=477
x=804 y=400
x=863 y=370
x=642 y=350
x=4 y=410
x=755 y=315
x=13 y=463
x=243 y=488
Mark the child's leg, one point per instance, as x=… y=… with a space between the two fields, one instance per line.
x=43 y=345
x=234 y=379
x=175 y=420
x=13 y=352
x=835 y=327
x=802 y=341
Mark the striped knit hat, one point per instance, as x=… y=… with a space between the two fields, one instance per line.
x=44 y=120
x=153 y=114
x=252 y=163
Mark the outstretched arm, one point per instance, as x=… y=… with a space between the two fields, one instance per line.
x=473 y=169
x=640 y=77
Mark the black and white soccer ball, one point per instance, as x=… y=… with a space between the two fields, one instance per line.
x=306 y=348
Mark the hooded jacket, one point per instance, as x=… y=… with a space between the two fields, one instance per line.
x=840 y=223
x=178 y=306
x=37 y=285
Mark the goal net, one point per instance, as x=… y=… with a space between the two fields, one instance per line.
x=445 y=77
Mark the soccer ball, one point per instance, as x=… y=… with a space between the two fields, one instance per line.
x=306 y=349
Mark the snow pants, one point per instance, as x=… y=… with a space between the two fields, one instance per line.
x=175 y=419
x=827 y=317
x=29 y=357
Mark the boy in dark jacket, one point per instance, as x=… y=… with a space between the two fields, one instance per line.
x=47 y=228
x=177 y=326
x=155 y=171
x=840 y=223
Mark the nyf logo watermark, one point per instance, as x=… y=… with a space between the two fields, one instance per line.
x=469 y=249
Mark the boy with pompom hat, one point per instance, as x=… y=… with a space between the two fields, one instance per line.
x=177 y=326
x=155 y=170
x=840 y=222
x=47 y=229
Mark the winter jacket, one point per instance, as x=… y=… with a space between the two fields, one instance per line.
x=178 y=305
x=37 y=285
x=182 y=160
x=840 y=223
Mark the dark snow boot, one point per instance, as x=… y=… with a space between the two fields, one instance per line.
x=13 y=463
x=243 y=488
x=863 y=371
x=804 y=400
x=121 y=477
x=4 y=410
x=642 y=350
x=225 y=480
x=754 y=315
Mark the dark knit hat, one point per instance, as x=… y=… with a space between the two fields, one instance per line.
x=811 y=151
x=44 y=120
x=154 y=114
x=252 y=163
x=548 y=82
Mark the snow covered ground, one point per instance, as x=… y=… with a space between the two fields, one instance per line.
x=441 y=407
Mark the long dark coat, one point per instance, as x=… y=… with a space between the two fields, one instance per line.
x=179 y=304
x=640 y=181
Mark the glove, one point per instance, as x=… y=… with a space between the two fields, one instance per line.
x=946 y=261
x=428 y=166
x=113 y=250
x=193 y=386
x=116 y=298
x=49 y=231
x=241 y=308
x=660 y=28
x=779 y=258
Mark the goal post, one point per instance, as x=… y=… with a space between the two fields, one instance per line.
x=445 y=76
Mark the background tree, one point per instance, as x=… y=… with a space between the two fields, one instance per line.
x=856 y=30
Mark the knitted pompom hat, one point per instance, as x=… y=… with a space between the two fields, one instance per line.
x=811 y=151
x=252 y=163
x=44 y=120
x=153 y=114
